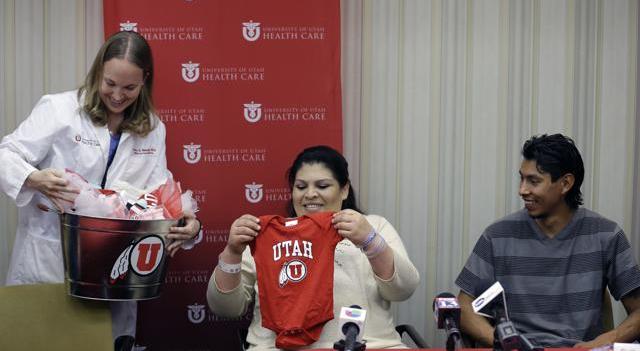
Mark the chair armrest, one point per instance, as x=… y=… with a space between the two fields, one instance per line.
x=413 y=334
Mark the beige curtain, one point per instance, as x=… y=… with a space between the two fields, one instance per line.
x=449 y=91
x=45 y=47
x=438 y=97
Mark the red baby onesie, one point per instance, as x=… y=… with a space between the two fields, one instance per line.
x=294 y=268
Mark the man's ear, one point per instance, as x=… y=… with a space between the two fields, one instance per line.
x=567 y=182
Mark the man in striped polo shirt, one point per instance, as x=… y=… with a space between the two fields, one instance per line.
x=553 y=258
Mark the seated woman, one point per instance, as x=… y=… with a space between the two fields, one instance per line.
x=371 y=265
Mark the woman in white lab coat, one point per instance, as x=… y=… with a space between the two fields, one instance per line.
x=107 y=132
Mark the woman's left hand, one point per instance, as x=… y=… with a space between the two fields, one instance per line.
x=352 y=225
x=181 y=234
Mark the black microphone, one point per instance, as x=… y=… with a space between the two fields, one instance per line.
x=492 y=302
x=447 y=314
x=499 y=310
x=351 y=325
x=505 y=334
x=350 y=331
x=507 y=338
x=528 y=346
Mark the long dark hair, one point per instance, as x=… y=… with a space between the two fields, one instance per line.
x=557 y=155
x=132 y=47
x=331 y=159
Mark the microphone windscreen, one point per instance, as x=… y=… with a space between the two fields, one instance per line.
x=446 y=305
x=490 y=300
x=442 y=294
x=352 y=316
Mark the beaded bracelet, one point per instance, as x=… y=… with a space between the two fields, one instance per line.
x=368 y=240
x=377 y=250
x=228 y=267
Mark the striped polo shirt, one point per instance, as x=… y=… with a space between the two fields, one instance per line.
x=554 y=287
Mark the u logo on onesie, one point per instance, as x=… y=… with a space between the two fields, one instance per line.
x=292 y=271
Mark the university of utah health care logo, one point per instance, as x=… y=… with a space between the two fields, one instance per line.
x=196 y=313
x=143 y=256
x=191 y=153
x=252 y=112
x=128 y=26
x=253 y=192
x=190 y=72
x=251 y=31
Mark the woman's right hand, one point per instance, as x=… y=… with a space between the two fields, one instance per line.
x=243 y=231
x=51 y=183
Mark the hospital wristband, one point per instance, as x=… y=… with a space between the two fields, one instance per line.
x=228 y=267
x=377 y=250
x=368 y=240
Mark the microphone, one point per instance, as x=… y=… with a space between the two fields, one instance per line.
x=351 y=325
x=505 y=335
x=491 y=303
x=509 y=338
x=447 y=314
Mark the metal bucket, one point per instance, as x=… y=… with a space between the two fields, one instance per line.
x=114 y=259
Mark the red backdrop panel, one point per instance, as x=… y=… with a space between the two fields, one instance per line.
x=242 y=87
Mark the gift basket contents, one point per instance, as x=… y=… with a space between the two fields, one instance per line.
x=114 y=240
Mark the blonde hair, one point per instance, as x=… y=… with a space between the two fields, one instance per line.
x=132 y=47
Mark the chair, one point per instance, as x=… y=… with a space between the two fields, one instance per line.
x=44 y=317
x=413 y=334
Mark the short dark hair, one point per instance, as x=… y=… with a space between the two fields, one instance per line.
x=331 y=159
x=557 y=155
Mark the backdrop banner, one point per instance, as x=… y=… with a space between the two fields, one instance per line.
x=242 y=87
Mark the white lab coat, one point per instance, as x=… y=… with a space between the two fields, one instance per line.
x=59 y=135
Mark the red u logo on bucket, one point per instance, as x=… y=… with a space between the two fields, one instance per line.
x=120 y=266
x=147 y=254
